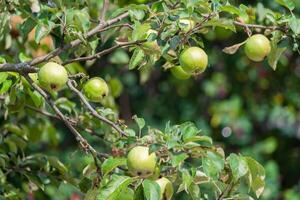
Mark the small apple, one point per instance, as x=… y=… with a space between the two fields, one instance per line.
x=193 y=59
x=179 y=73
x=186 y=24
x=257 y=47
x=140 y=163
x=95 y=89
x=166 y=188
x=52 y=76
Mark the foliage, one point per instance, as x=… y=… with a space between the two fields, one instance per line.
x=37 y=124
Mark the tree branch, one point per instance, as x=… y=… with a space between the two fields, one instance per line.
x=93 y=111
x=103 y=11
x=19 y=66
x=84 y=144
x=104 y=52
x=259 y=26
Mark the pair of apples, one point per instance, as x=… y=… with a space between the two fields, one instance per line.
x=194 y=59
x=141 y=163
x=53 y=77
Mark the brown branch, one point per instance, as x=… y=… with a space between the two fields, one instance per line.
x=84 y=144
x=103 y=11
x=260 y=26
x=20 y=67
x=93 y=111
x=101 y=53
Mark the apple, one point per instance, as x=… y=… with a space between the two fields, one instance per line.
x=166 y=188
x=193 y=59
x=257 y=47
x=186 y=24
x=179 y=73
x=95 y=89
x=140 y=162
x=52 y=76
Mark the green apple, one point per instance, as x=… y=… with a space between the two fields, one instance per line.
x=52 y=76
x=193 y=59
x=179 y=73
x=257 y=47
x=186 y=24
x=166 y=188
x=95 y=89
x=140 y=162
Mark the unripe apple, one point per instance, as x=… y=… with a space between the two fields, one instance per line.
x=179 y=73
x=140 y=163
x=193 y=59
x=166 y=188
x=95 y=89
x=52 y=76
x=257 y=47
x=186 y=24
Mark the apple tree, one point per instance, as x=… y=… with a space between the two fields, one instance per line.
x=48 y=49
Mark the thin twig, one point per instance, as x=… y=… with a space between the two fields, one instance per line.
x=93 y=111
x=84 y=144
x=259 y=26
x=103 y=11
x=101 y=53
x=21 y=67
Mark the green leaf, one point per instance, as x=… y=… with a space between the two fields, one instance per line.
x=274 y=55
x=140 y=122
x=140 y=31
x=188 y=130
x=27 y=26
x=113 y=189
x=238 y=166
x=289 y=4
x=199 y=138
x=126 y=194
x=23 y=57
x=230 y=9
x=294 y=23
x=85 y=184
x=212 y=164
x=187 y=180
x=54 y=162
x=176 y=160
x=5 y=86
x=3 y=76
x=256 y=176
x=42 y=30
x=151 y=190
x=224 y=23
x=111 y=163
x=137 y=58
x=36 y=98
